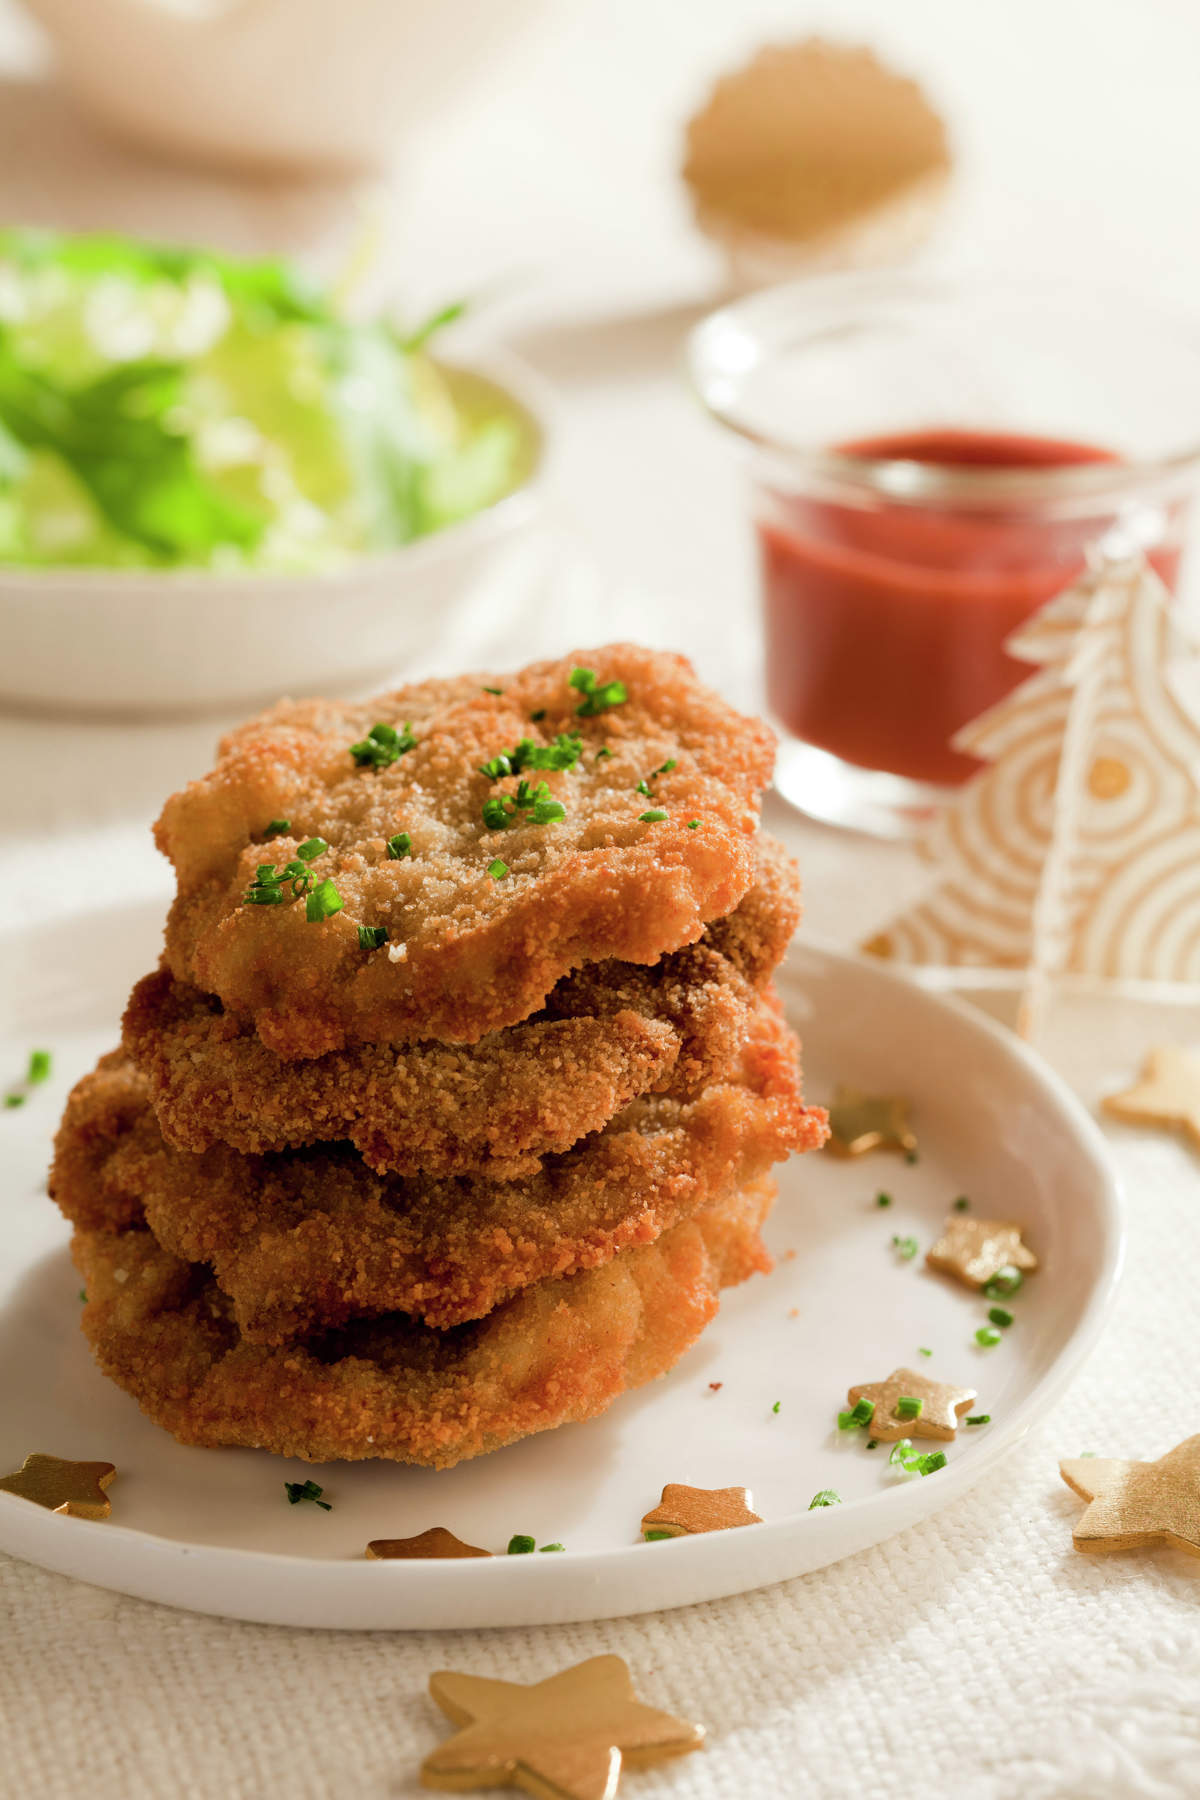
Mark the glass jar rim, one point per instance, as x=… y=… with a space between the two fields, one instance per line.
x=737 y=338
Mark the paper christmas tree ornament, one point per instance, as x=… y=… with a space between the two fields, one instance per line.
x=1078 y=849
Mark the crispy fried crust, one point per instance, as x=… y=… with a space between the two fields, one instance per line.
x=312 y=1238
x=563 y=1351
x=466 y=954
x=607 y=1033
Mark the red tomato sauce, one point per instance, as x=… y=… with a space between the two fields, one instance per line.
x=885 y=623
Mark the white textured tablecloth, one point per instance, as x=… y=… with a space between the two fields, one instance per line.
x=976 y=1656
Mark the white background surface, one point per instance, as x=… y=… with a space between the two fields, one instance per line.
x=976 y=1655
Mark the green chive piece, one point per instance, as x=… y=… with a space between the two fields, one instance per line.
x=563 y=753
x=901 y=1451
x=603 y=751
x=382 y=746
x=598 y=696
x=278 y=828
x=693 y=824
x=306 y=1490
x=643 y=787
x=987 y=1336
x=1004 y=1282
x=861 y=1413
x=922 y=1351
x=311 y=849
x=962 y=1203
x=654 y=1537
x=883 y=1199
x=777 y=1406
x=905 y=1247
x=40 y=1064
x=520 y=1545
x=528 y=806
x=651 y=818
x=535 y=718
x=979 y=1419
x=544 y=1547
x=826 y=1497
x=372 y=937
x=14 y=1099
x=934 y=1460
x=495 y=815
x=323 y=902
x=999 y=1316
x=910 y=1156
x=872 y=1443
x=909 y=1407
x=497 y=869
x=488 y=690
x=398 y=846
x=83 y=1296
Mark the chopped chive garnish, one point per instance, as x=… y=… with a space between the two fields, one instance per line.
x=603 y=751
x=693 y=824
x=14 y=1099
x=528 y=806
x=987 y=1336
x=883 y=1199
x=278 y=828
x=83 y=1296
x=651 y=818
x=311 y=849
x=909 y=1407
x=398 y=846
x=861 y=1413
x=643 y=787
x=913 y=1462
x=872 y=1443
x=910 y=1156
x=1004 y=1282
x=488 y=690
x=598 y=696
x=826 y=1497
x=922 y=1351
x=653 y=1537
x=497 y=869
x=382 y=746
x=777 y=1406
x=901 y=1450
x=544 y=1547
x=372 y=937
x=979 y=1419
x=521 y=1545
x=563 y=753
x=905 y=1247
x=535 y=718
x=962 y=1203
x=934 y=1459
x=40 y=1064
x=306 y=1490
x=323 y=902
x=999 y=1315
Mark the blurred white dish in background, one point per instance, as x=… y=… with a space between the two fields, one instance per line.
x=300 y=83
x=151 y=642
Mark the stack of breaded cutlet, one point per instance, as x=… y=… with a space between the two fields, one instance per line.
x=453 y=1104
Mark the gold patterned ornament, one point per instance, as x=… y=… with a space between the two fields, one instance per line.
x=436 y=1542
x=940 y=1408
x=860 y=1122
x=1168 y=1094
x=565 y=1738
x=1135 y=1504
x=684 y=1511
x=975 y=1250
x=74 y=1488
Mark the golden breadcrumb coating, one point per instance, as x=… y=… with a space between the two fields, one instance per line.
x=466 y=953
x=607 y=1033
x=308 y=1238
x=563 y=1350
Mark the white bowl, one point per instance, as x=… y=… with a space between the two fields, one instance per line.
x=170 y=641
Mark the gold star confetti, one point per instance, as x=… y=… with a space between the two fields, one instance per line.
x=76 y=1488
x=974 y=1250
x=683 y=1511
x=437 y=1541
x=938 y=1414
x=860 y=1122
x=1168 y=1094
x=565 y=1738
x=1133 y=1504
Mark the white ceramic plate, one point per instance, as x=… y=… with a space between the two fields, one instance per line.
x=212 y=1530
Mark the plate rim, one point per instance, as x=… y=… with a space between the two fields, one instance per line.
x=42 y=1543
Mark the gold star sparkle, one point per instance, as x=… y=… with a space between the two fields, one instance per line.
x=437 y=1541
x=1135 y=1504
x=565 y=1738
x=1167 y=1095
x=941 y=1405
x=684 y=1511
x=861 y=1122
x=973 y=1250
x=76 y=1488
